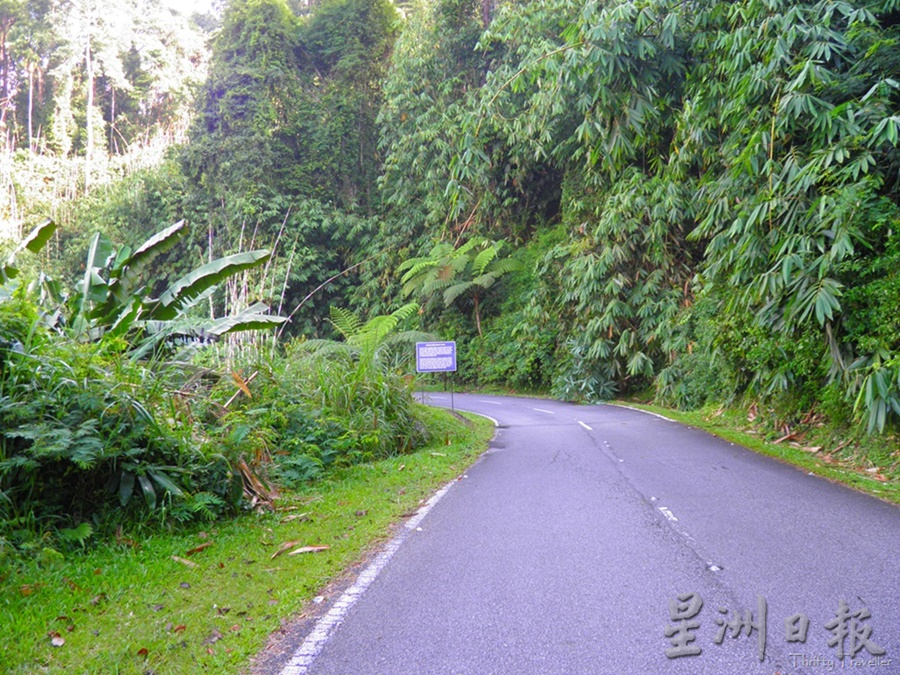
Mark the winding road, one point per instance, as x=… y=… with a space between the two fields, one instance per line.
x=600 y=539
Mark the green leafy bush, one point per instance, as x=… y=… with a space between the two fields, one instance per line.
x=89 y=436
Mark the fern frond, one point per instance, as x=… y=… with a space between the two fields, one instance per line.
x=370 y=336
x=323 y=347
x=456 y=290
x=418 y=266
x=483 y=259
x=505 y=265
x=468 y=246
x=347 y=323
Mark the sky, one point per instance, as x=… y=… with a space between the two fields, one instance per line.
x=191 y=6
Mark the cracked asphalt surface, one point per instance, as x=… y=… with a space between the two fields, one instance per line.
x=564 y=549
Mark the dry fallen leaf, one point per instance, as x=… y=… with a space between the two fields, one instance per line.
x=71 y=584
x=56 y=639
x=199 y=548
x=180 y=628
x=284 y=548
x=142 y=651
x=184 y=561
x=296 y=516
x=242 y=383
x=213 y=637
x=309 y=549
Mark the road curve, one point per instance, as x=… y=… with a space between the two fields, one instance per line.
x=585 y=541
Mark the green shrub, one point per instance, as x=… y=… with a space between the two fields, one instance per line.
x=90 y=436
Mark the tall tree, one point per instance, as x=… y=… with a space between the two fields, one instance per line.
x=93 y=36
x=11 y=13
x=346 y=45
x=243 y=139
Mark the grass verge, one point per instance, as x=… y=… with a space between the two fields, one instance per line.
x=207 y=599
x=869 y=464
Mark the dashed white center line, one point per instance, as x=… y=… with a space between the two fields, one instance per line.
x=584 y=425
x=549 y=412
x=491 y=402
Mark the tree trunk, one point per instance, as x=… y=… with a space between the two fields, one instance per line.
x=113 y=144
x=30 y=108
x=486 y=7
x=478 y=316
x=89 y=126
x=6 y=94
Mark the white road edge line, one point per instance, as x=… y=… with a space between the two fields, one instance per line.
x=315 y=641
x=549 y=412
x=584 y=425
x=646 y=412
x=668 y=514
x=487 y=417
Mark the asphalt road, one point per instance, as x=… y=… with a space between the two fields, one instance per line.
x=565 y=549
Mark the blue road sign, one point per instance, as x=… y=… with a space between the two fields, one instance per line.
x=435 y=357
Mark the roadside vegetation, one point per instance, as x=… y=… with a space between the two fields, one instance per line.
x=208 y=595
x=221 y=231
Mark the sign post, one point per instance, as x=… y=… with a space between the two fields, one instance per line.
x=436 y=357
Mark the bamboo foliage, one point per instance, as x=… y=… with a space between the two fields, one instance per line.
x=743 y=156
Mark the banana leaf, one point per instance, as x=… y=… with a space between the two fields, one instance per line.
x=168 y=305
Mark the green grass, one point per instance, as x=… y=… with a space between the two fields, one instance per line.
x=852 y=462
x=132 y=608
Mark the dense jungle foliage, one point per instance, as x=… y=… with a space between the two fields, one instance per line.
x=694 y=201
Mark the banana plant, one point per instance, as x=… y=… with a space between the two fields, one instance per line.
x=113 y=296
x=34 y=242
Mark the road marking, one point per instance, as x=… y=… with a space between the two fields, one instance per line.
x=491 y=402
x=646 y=412
x=315 y=641
x=549 y=412
x=668 y=514
x=438 y=398
x=480 y=414
x=584 y=425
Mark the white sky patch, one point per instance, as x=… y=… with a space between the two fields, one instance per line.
x=193 y=6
